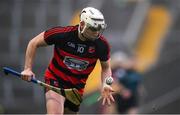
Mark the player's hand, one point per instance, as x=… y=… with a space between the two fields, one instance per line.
x=106 y=95
x=27 y=75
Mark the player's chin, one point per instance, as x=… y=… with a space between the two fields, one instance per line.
x=92 y=38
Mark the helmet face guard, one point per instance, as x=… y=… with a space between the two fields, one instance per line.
x=98 y=27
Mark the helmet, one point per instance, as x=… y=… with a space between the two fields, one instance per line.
x=93 y=19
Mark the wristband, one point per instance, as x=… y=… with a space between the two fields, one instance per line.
x=109 y=80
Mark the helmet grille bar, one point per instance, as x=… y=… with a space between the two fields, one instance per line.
x=97 y=19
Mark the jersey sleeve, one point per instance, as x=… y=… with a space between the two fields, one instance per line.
x=54 y=35
x=103 y=50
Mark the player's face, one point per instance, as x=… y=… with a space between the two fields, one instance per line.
x=91 y=34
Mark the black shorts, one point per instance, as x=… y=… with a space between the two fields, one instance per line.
x=67 y=104
x=124 y=104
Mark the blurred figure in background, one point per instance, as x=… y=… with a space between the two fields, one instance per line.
x=127 y=84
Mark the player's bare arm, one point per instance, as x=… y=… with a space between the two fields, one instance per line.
x=30 y=54
x=106 y=92
x=106 y=70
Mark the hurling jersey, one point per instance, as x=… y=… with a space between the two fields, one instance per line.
x=73 y=59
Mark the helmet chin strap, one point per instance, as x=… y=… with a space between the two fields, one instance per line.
x=81 y=32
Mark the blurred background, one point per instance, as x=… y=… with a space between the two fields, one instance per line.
x=150 y=29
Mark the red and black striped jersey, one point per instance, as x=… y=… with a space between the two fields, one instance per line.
x=73 y=59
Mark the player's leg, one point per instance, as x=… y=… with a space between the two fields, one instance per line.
x=57 y=104
x=54 y=103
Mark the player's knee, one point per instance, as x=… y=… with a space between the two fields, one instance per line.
x=54 y=102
